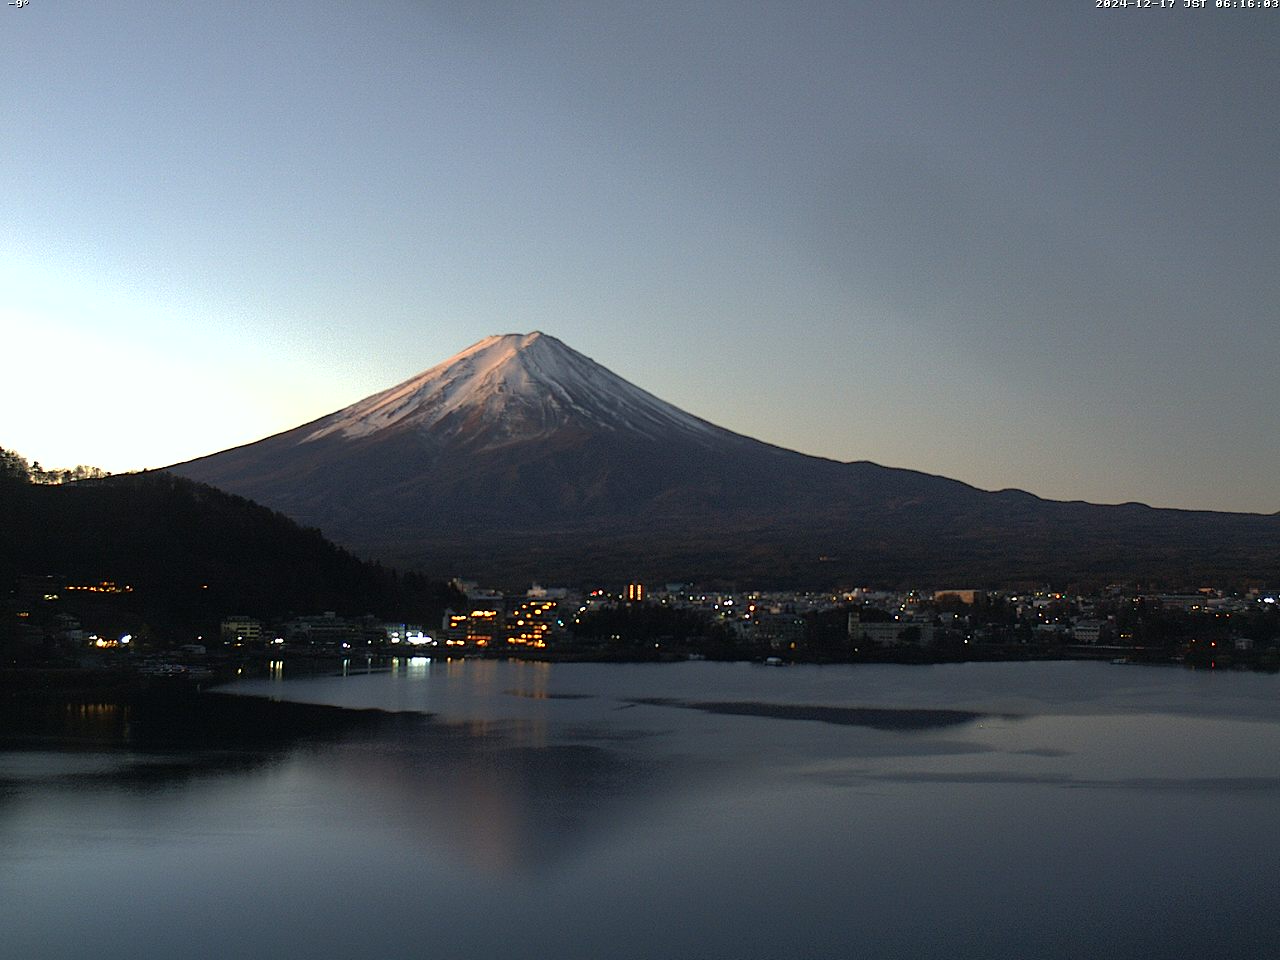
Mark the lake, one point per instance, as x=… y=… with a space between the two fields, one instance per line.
x=474 y=809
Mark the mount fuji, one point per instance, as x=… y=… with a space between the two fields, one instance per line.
x=520 y=458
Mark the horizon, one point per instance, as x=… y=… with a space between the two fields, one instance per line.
x=1017 y=247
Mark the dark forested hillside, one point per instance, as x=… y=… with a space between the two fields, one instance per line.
x=192 y=554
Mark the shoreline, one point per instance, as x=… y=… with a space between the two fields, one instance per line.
x=124 y=681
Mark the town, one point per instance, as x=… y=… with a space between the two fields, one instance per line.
x=1209 y=627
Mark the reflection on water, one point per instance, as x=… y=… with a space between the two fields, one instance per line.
x=480 y=809
x=501 y=801
x=104 y=722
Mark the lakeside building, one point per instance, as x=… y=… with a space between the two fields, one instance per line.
x=890 y=633
x=781 y=631
x=478 y=627
x=1088 y=631
x=239 y=630
x=530 y=622
x=327 y=630
x=534 y=623
x=408 y=633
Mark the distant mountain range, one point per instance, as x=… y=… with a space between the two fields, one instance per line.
x=522 y=459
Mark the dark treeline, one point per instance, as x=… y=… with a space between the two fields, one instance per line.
x=14 y=466
x=191 y=554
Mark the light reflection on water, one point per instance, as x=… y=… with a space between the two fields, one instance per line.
x=692 y=810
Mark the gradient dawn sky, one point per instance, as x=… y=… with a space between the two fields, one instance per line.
x=1022 y=244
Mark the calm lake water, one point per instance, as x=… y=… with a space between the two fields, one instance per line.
x=696 y=810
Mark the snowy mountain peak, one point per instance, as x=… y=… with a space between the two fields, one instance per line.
x=514 y=386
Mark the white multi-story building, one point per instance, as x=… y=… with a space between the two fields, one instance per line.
x=241 y=631
x=890 y=633
x=1087 y=631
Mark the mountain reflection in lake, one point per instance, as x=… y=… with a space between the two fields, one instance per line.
x=489 y=809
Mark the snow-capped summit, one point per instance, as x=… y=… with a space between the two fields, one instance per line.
x=511 y=386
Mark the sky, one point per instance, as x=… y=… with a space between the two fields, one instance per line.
x=1030 y=245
